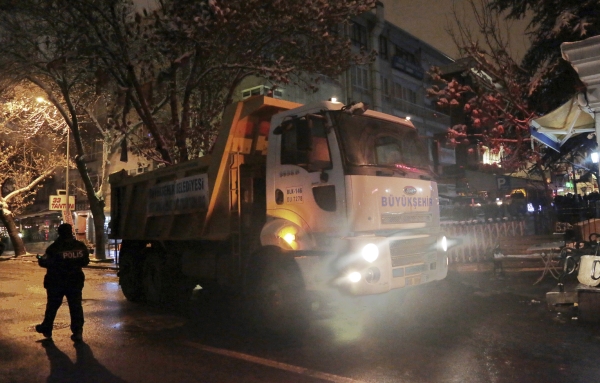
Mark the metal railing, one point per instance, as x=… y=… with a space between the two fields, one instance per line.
x=476 y=234
x=474 y=241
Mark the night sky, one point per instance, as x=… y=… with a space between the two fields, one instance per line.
x=427 y=20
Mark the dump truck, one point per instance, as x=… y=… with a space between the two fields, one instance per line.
x=292 y=200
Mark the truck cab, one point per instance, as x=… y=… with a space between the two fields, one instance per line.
x=352 y=191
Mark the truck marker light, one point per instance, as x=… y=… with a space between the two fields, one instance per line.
x=370 y=252
x=354 y=277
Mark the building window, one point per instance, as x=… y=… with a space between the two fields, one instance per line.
x=383 y=47
x=410 y=95
x=360 y=77
x=406 y=55
x=404 y=93
x=142 y=168
x=385 y=87
x=95 y=152
x=359 y=35
x=262 y=90
x=397 y=91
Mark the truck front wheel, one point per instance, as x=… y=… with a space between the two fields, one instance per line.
x=276 y=293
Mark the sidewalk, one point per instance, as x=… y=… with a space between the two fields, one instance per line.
x=36 y=248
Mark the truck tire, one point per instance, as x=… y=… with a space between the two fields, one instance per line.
x=154 y=278
x=177 y=287
x=130 y=273
x=276 y=293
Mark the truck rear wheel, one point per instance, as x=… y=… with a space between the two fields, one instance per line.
x=276 y=293
x=130 y=272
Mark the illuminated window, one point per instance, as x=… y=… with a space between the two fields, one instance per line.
x=262 y=90
x=492 y=156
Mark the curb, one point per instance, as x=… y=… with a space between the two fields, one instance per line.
x=108 y=263
x=487 y=267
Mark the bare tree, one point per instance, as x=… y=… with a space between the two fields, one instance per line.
x=41 y=46
x=169 y=71
x=177 y=66
x=492 y=91
x=30 y=136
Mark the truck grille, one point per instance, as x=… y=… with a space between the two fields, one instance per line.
x=395 y=218
x=402 y=261
x=410 y=256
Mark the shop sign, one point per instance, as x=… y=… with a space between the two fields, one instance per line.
x=59 y=202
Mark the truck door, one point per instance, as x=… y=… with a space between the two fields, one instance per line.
x=308 y=182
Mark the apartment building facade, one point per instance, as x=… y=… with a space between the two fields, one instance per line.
x=395 y=82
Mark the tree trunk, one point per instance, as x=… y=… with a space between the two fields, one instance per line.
x=8 y=220
x=97 y=208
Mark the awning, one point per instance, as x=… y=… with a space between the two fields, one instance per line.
x=568 y=120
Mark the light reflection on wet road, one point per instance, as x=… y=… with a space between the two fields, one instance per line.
x=469 y=328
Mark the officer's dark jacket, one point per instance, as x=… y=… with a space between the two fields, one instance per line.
x=64 y=259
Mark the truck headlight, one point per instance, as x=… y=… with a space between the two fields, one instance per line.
x=289 y=238
x=370 y=252
x=444 y=243
x=354 y=277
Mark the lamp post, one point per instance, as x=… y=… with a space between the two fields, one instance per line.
x=67 y=212
x=68 y=207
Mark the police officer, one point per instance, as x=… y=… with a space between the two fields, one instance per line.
x=63 y=260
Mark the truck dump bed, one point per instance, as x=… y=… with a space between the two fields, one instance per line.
x=196 y=199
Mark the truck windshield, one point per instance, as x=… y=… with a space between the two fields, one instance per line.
x=368 y=141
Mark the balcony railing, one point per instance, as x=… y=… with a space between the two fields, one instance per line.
x=408 y=67
x=414 y=110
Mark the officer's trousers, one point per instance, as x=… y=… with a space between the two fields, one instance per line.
x=55 y=298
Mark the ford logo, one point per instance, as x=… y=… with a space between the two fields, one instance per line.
x=410 y=190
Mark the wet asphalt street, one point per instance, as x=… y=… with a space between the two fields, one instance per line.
x=470 y=327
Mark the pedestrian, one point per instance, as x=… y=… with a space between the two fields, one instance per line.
x=63 y=260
